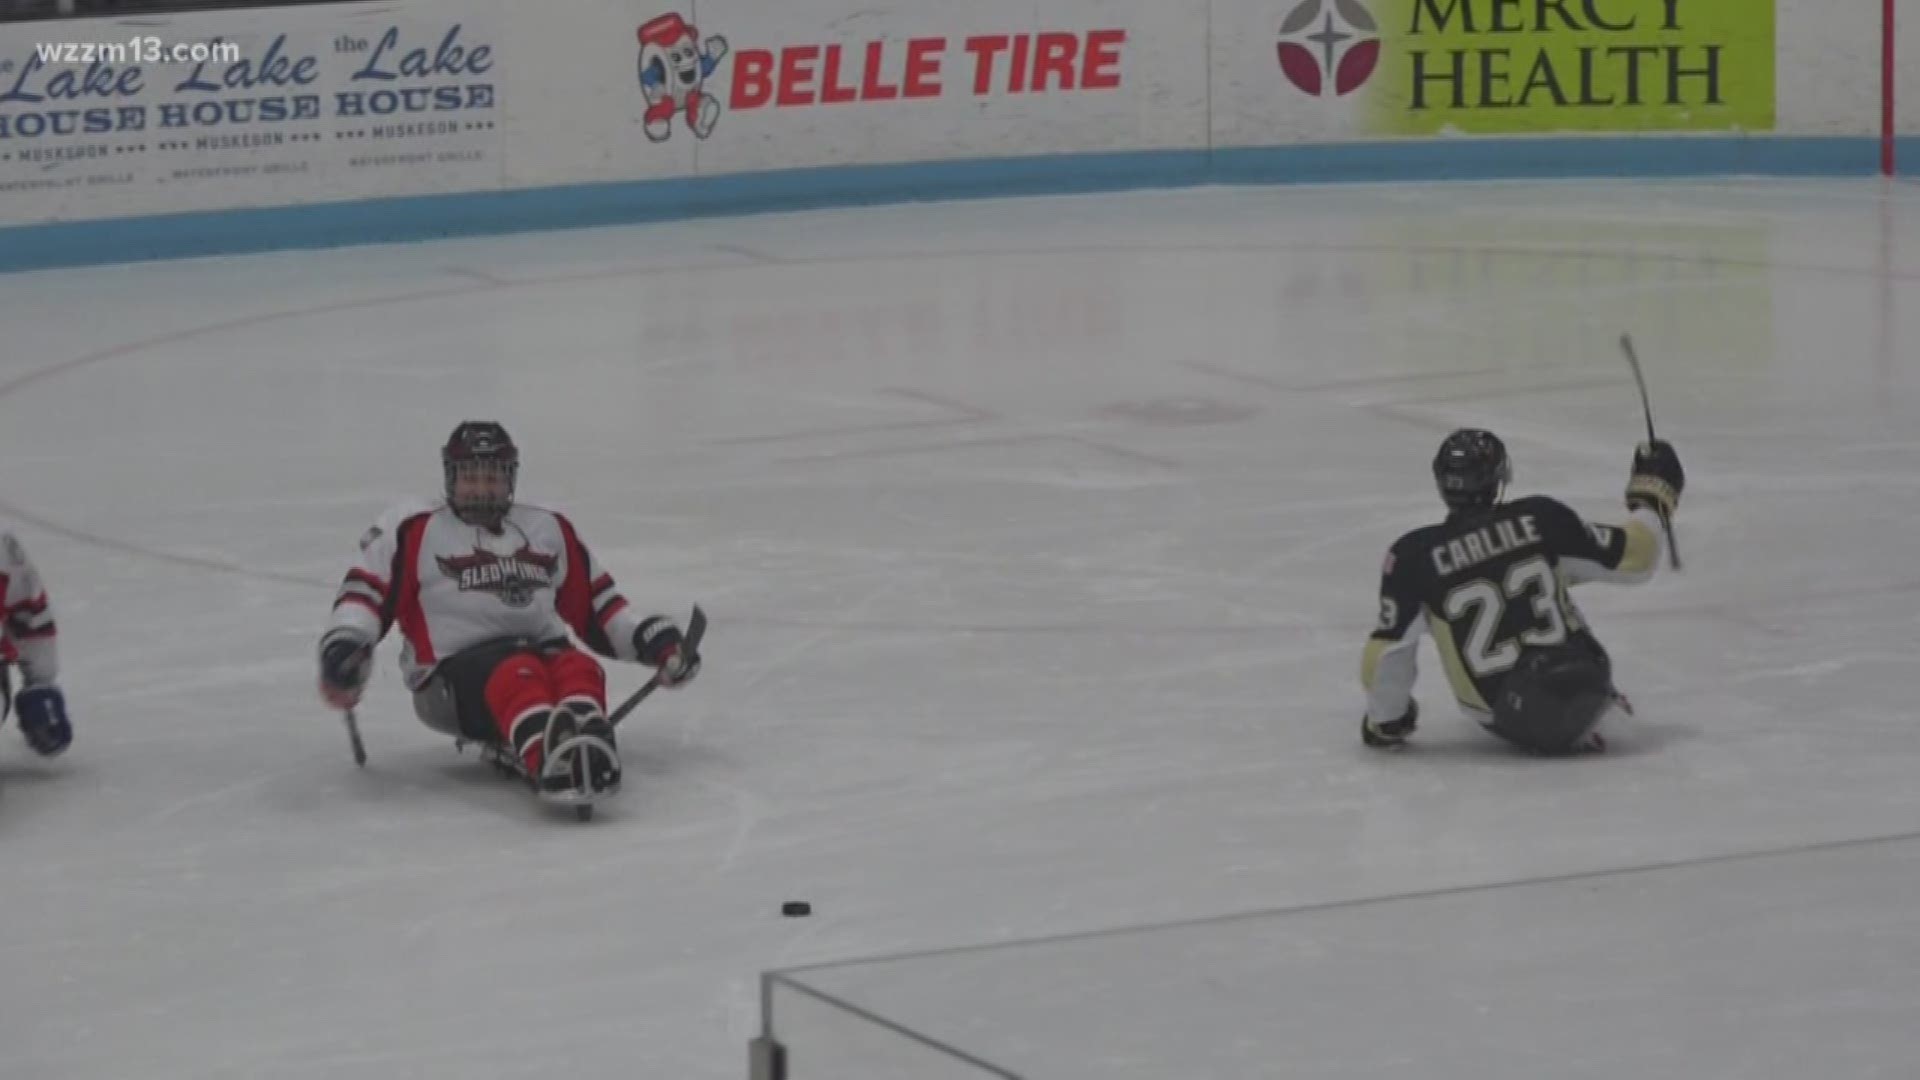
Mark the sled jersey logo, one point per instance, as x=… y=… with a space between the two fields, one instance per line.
x=674 y=68
x=513 y=578
x=1329 y=46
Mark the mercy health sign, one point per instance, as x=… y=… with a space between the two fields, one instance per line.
x=351 y=101
x=1422 y=67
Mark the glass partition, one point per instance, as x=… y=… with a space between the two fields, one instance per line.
x=1794 y=964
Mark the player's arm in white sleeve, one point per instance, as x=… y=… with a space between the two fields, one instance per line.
x=29 y=616
x=592 y=605
x=360 y=615
x=1626 y=553
x=1389 y=664
x=1629 y=552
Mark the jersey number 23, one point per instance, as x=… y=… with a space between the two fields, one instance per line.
x=1485 y=603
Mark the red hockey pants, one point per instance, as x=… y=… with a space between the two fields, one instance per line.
x=525 y=686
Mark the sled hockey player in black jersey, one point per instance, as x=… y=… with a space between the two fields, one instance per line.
x=1491 y=583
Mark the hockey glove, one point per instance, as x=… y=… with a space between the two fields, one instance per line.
x=1393 y=732
x=43 y=719
x=1657 y=479
x=660 y=644
x=346 y=662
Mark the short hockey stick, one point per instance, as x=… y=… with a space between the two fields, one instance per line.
x=1646 y=407
x=696 y=629
x=353 y=735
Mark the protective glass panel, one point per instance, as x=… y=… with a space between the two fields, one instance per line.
x=1792 y=965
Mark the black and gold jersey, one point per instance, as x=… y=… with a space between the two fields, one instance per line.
x=1489 y=583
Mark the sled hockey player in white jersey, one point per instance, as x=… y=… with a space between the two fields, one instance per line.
x=484 y=591
x=28 y=640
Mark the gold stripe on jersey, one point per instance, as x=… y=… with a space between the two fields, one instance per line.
x=1462 y=683
x=1370 y=659
x=1642 y=550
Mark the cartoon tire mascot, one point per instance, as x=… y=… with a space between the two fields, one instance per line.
x=674 y=68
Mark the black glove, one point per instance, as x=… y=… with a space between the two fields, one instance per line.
x=660 y=644
x=43 y=719
x=345 y=663
x=1393 y=732
x=1657 y=479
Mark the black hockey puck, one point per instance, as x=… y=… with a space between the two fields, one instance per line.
x=794 y=909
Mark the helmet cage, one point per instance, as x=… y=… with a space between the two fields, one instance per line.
x=480 y=451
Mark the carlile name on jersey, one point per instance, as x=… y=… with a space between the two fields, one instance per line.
x=1486 y=542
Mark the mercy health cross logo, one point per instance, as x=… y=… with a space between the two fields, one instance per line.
x=1329 y=46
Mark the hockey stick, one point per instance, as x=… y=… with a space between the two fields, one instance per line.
x=696 y=629
x=1646 y=407
x=353 y=735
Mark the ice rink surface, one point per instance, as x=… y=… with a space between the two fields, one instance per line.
x=1040 y=539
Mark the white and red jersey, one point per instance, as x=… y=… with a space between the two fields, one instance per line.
x=26 y=619
x=450 y=586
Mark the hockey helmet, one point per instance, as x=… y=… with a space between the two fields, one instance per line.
x=1471 y=469
x=480 y=448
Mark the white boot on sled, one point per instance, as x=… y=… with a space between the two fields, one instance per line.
x=582 y=763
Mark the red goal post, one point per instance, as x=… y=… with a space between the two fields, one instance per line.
x=1888 y=72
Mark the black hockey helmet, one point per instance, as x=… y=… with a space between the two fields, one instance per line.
x=1471 y=469
x=480 y=448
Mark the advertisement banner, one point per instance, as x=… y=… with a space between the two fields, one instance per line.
x=821 y=82
x=101 y=118
x=1310 y=70
x=108 y=118
x=578 y=95
x=1504 y=66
